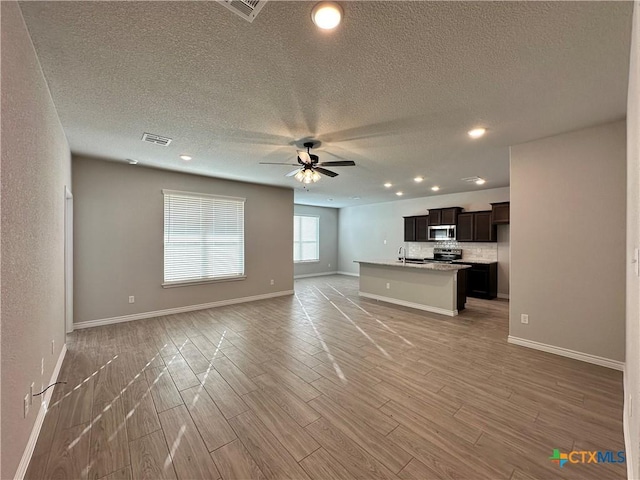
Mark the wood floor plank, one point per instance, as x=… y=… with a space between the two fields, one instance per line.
x=191 y=459
x=244 y=363
x=213 y=427
x=150 y=458
x=69 y=454
x=181 y=374
x=163 y=391
x=109 y=447
x=322 y=466
x=297 y=442
x=286 y=399
x=416 y=470
x=272 y=458
x=122 y=474
x=234 y=376
x=194 y=358
x=226 y=399
x=140 y=411
x=235 y=463
x=379 y=446
x=347 y=452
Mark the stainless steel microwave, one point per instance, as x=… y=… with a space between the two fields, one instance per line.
x=442 y=232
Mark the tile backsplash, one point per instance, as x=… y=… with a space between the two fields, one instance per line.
x=470 y=250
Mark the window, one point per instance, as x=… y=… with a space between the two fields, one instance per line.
x=306 y=238
x=203 y=238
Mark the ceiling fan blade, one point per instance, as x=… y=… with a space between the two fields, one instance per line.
x=339 y=163
x=326 y=172
x=278 y=163
x=292 y=172
x=304 y=156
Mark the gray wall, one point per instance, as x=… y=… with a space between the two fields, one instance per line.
x=118 y=242
x=35 y=169
x=568 y=204
x=328 y=241
x=632 y=363
x=377 y=231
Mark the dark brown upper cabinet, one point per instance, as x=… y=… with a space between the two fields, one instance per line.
x=464 y=230
x=475 y=227
x=500 y=212
x=444 y=216
x=421 y=228
x=415 y=228
x=409 y=229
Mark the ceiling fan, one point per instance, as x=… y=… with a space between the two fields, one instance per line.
x=309 y=169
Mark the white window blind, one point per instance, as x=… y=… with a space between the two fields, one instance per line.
x=203 y=237
x=306 y=243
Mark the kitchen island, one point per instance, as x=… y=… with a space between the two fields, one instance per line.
x=434 y=287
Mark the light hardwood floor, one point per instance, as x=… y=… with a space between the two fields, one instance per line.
x=324 y=385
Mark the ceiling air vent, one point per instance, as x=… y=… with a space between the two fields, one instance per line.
x=247 y=9
x=156 y=139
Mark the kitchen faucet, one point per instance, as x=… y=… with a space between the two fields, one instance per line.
x=403 y=251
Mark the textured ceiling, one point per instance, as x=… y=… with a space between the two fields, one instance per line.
x=395 y=88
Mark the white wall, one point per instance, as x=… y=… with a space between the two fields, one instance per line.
x=35 y=169
x=328 y=262
x=568 y=204
x=363 y=230
x=632 y=363
x=118 y=243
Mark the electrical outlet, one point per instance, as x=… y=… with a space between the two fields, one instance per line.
x=388 y=286
x=524 y=318
x=272 y=281
x=26 y=405
x=53 y=347
x=31 y=392
x=132 y=299
x=42 y=366
x=329 y=265
x=384 y=242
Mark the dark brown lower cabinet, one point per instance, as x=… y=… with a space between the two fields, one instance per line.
x=462 y=289
x=482 y=280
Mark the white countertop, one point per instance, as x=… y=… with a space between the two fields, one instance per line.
x=441 y=267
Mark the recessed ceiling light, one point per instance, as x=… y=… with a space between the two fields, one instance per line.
x=388 y=185
x=186 y=158
x=326 y=15
x=480 y=181
x=418 y=179
x=435 y=188
x=355 y=198
x=399 y=194
x=477 y=132
x=132 y=161
x=329 y=199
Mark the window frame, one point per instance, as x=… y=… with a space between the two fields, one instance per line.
x=200 y=280
x=301 y=242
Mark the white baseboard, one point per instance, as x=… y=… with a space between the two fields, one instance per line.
x=626 y=426
x=350 y=274
x=503 y=295
x=35 y=431
x=309 y=275
x=565 y=352
x=172 y=311
x=418 y=306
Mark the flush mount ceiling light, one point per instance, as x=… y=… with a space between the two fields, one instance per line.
x=477 y=132
x=326 y=15
x=388 y=185
x=435 y=188
x=477 y=180
x=399 y=194
x=418 y=179
x=186 y=158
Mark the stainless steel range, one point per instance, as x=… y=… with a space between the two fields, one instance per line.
x=446 y=255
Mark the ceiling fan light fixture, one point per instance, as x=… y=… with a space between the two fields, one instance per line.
x=327 y=15
x=307 y=175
